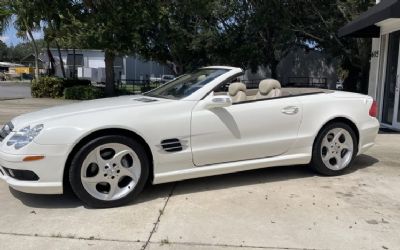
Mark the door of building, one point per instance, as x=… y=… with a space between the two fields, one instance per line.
x=390 y=115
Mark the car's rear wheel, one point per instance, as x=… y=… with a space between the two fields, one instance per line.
x=109 y=171
x=334 y=149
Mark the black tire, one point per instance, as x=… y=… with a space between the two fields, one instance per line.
x=77 y=162
x=317 y=163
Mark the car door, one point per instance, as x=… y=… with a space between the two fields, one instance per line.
x=244 y=131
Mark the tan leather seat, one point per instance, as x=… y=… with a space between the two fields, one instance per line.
x=269 y=88
x=237 y=91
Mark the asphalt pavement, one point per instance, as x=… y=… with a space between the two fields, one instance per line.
x=13 y=90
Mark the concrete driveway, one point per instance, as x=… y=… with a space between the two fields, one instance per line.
x=13 y=107
x=275 y=208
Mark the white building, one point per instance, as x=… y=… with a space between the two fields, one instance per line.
x=89 y=64
x=382 y=22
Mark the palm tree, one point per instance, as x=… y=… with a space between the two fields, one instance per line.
x=53 y=14
x=5 y=17
x=26 y=20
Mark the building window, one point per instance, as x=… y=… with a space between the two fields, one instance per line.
x=118 y=62
x=78 y=60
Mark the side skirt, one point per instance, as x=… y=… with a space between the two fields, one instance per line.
x=231 y=167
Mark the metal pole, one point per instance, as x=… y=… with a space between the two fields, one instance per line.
x=135 y=66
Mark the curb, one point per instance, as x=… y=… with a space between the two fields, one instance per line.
x=12 y=98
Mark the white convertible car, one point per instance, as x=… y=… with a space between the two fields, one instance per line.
x=200 y=124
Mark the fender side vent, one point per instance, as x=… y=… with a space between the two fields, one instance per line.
x=171 y=145
x=144 y=99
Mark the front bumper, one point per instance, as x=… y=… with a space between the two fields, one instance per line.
x=49 y=170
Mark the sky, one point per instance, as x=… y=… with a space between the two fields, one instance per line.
x=10 y=38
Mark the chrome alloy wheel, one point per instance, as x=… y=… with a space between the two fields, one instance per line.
x=337 y=149
x=110 y=171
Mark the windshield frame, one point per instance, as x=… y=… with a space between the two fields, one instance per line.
x=205 y=89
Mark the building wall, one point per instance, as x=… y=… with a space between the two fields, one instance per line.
x=374 y=68
x=376 y=53
x=379 y=59
x=126 y=67
x=140 y=69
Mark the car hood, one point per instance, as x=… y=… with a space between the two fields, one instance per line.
x=85 y=107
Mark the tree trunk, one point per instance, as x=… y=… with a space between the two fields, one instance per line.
x=365 y=79
x=273 y=67
x=52 y=69
x=35 y=48
x=109 y=61
x=61 y=60
x=350 y=83
x=175 y=68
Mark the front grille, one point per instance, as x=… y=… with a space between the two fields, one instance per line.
x=6 y=130
x=22 y=175
x=171 y=145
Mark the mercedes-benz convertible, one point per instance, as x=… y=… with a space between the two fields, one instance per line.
x=203 y=123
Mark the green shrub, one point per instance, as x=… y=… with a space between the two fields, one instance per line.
x=83 y=93
x=123 y=92
x=47 y=87
x=75 y=82
x=145 y=88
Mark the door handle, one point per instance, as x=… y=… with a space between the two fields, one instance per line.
x=290 y=110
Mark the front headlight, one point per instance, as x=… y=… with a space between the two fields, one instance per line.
x=24 y=136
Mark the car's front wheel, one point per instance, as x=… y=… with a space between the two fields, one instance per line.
x=109 y=171
x=334 y=149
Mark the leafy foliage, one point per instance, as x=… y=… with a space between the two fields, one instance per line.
x=317 y=22
x=27 y=20
x=54 y=87
x=5 y=16
x=3 y=51
x=83 y=93
x=18 y=52
x=257 y=33
x=51 y=87
x=67 y=83
x=182 y=33
x=189 y=34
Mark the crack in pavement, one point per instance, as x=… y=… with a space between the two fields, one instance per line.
x=232 y=245
x=154 y=242
x=59 y=236
x=159 y=217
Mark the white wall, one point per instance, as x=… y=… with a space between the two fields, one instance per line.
x=374 y=67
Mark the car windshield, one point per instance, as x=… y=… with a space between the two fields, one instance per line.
x=187 y=84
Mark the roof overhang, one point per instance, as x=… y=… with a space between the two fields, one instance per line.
x=9 y=64
x=366 y=24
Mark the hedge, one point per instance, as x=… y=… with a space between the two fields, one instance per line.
x=47 y=87
x=54 y=87
x=67 y=83
x=83 y=93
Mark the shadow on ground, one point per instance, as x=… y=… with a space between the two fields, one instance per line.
x=267 y=175
x=384 y=131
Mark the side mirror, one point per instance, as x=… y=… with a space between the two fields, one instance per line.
x=219 y=101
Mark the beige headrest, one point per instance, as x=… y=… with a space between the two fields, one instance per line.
x=201 y=78
x=235 y=87
x=267 y=85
